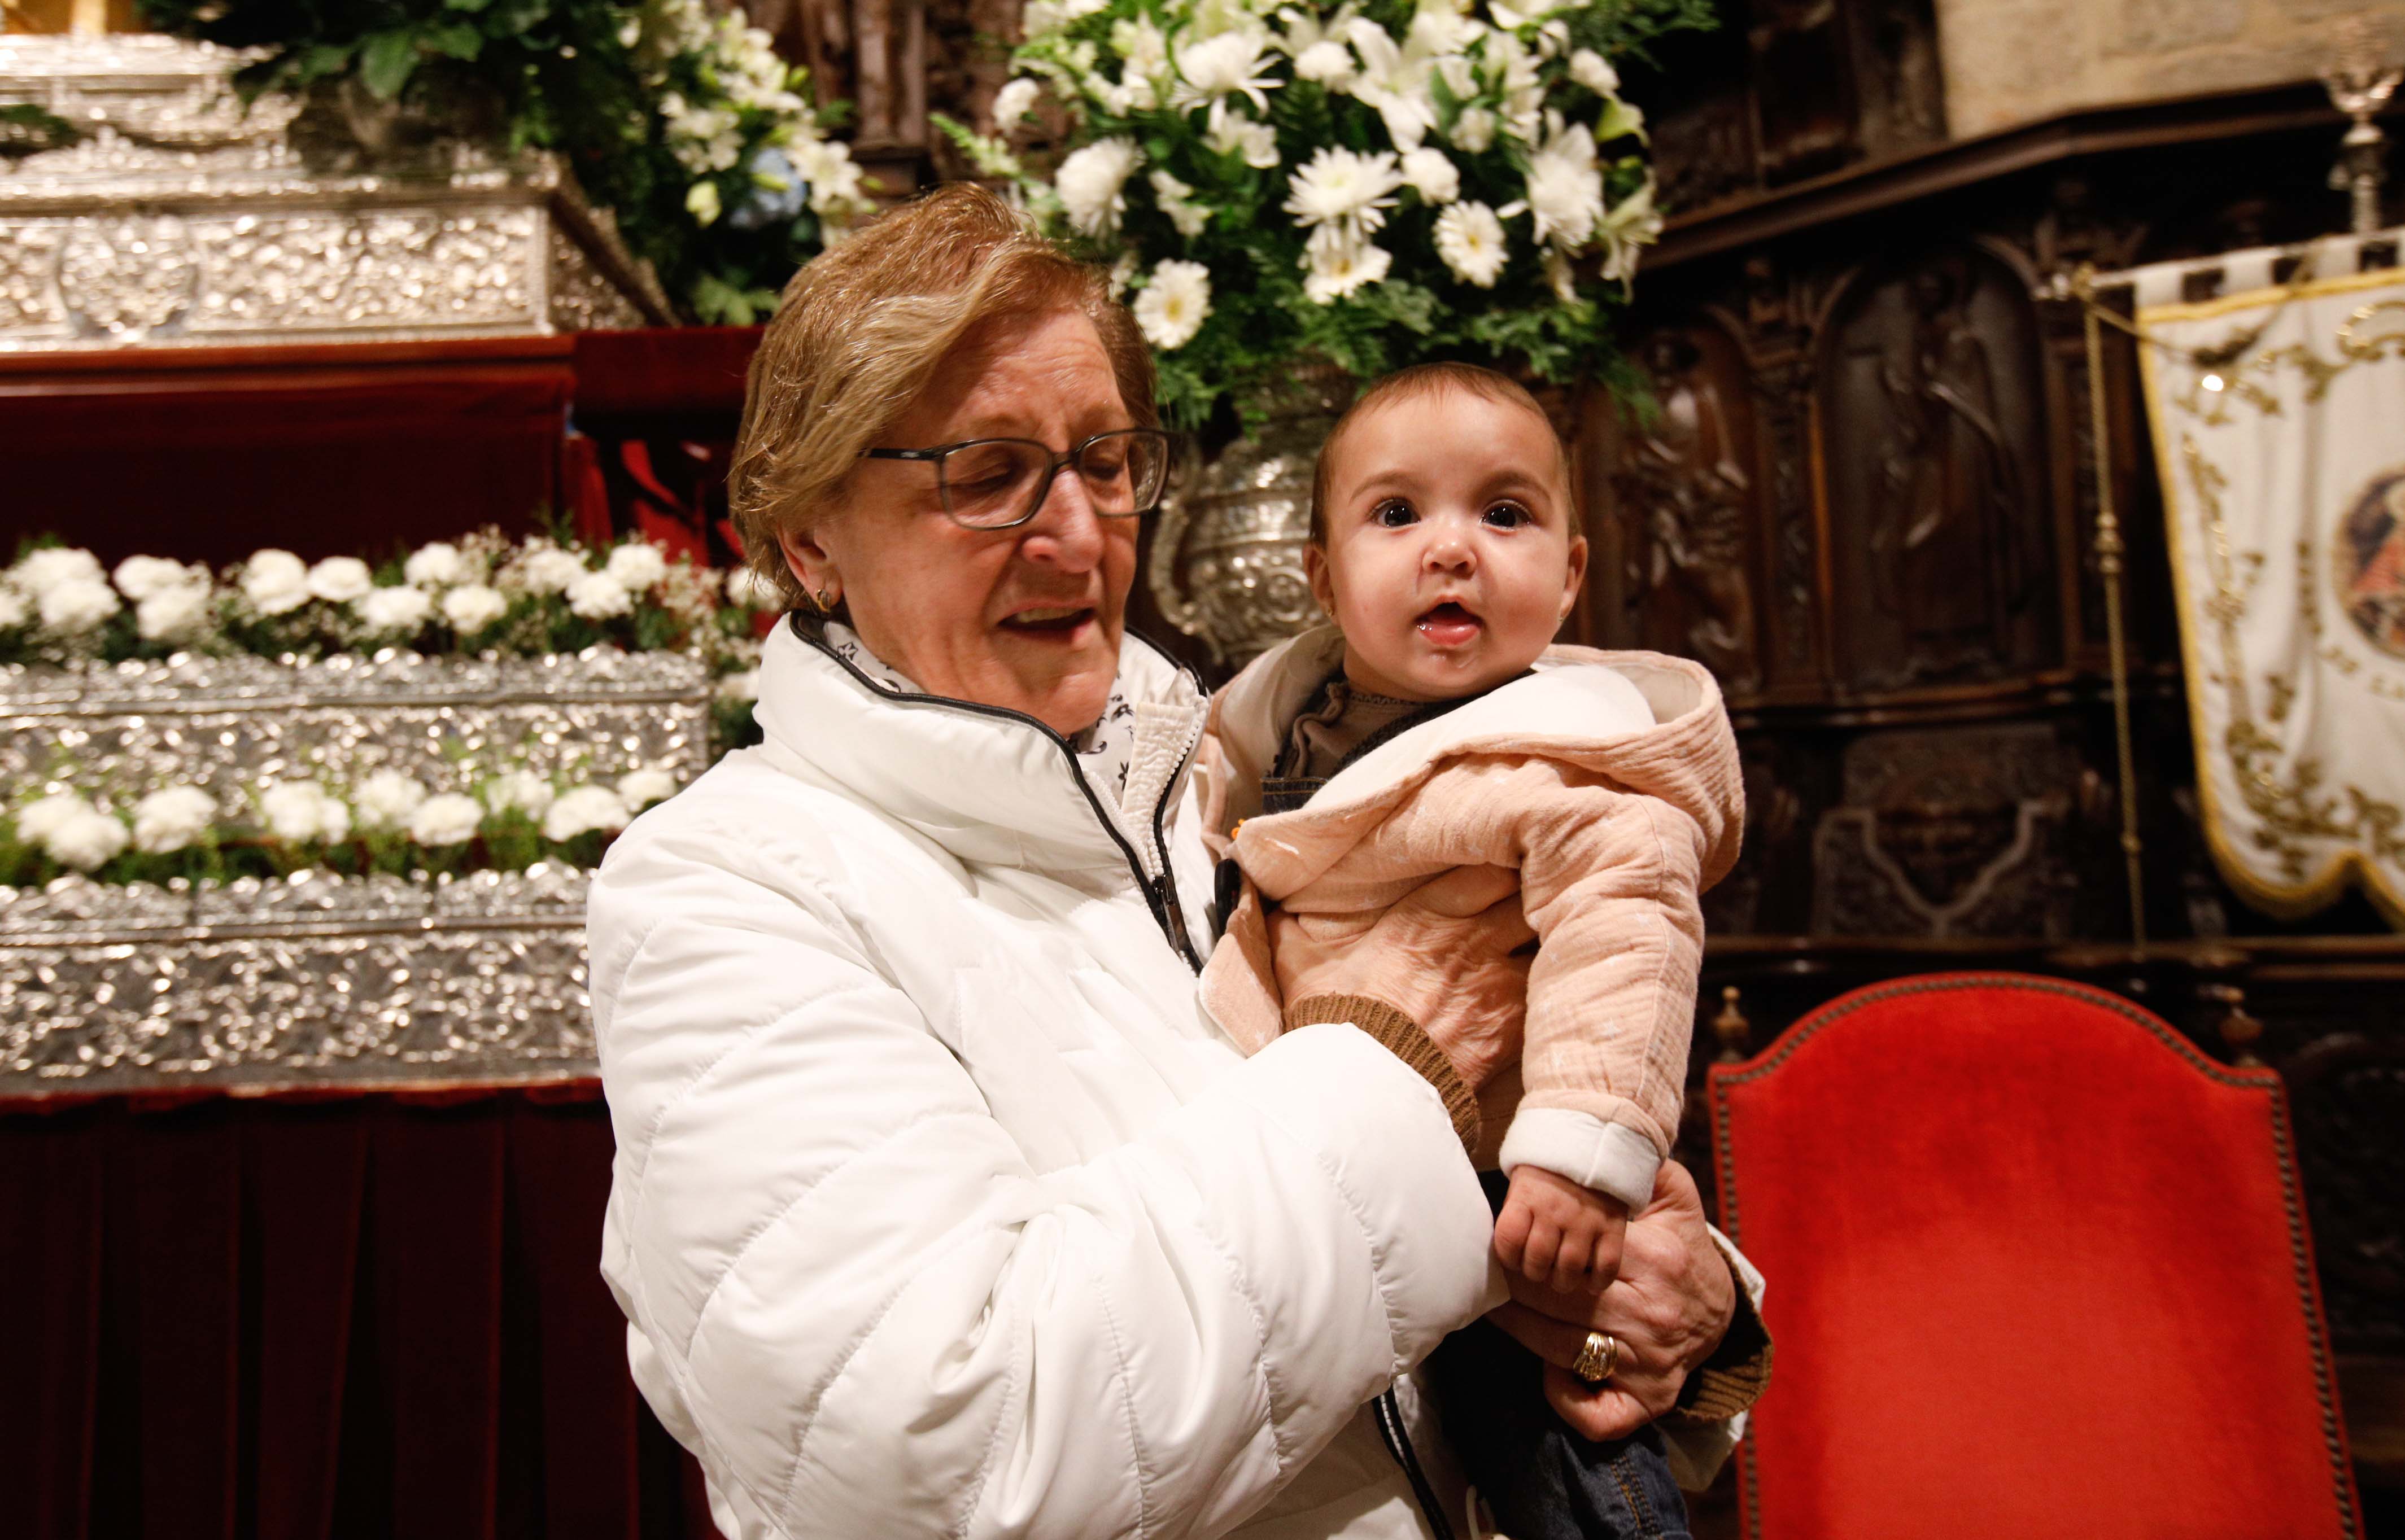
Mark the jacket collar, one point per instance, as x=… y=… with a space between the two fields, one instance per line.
x=988 y=785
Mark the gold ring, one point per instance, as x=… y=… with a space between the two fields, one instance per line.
x=1598 y=1357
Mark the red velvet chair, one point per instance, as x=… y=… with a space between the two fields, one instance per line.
x=2037 y=1267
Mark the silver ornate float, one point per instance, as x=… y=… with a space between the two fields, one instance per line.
x=179 y=218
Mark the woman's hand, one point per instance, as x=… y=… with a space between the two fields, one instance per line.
x=1442 y=955
x=1669 y=1308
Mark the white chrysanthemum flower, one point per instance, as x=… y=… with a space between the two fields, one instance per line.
x=42 y=570
x=1174 y=304
x=12 y=610
x=1595 y=72
x=520 y=790
x=181 y=613
x=1328 y=62
x=38 y=818
x=1470 y=238
x=275 y=581
x=1339 y=269
x=1176 y=200
x=387 y=798
x=86 y=839
x=450 y=818
x=1091 y=183
x=399 y=610
x=641 y=788
x=598 y=596
x=172 y=818
x=637 y=565
x=1565 y=187
x=435 y=565
x=339 y=579
x=1230 y=64
x=587 y=809
x=300 y=811
x=1433 y=175
x=472 y=606
x=1231 y=134
x=77 y=605
x=744 y=686
x=139 y=577
x=1014 y=102
x=1344 y=193
x=1473 y=130
x=548 y=569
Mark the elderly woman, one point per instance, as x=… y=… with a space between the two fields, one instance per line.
x=940 y=1206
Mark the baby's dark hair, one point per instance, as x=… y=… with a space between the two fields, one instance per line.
x=1421 y=380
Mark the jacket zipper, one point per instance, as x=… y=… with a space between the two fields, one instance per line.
x=1160 y=897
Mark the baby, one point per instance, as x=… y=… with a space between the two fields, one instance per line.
x=1435 y=735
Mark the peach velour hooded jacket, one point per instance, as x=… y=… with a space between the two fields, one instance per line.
x=1601 y=794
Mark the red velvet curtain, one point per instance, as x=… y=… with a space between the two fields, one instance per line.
x=367 y=1318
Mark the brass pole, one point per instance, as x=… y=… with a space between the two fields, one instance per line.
x=2109 y=551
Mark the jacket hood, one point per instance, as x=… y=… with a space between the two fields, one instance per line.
x=1645 y=720
x=988 y=785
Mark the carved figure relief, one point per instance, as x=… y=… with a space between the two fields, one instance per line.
x=1688 y=500
x=1805 y=105
x=1931 y=432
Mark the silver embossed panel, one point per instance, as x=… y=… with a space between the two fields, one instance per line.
x=228 y=725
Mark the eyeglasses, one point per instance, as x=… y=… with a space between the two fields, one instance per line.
x=1001 y=484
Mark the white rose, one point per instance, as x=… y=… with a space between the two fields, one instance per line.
x=522 y=790
x=748 y=589
x=167 y=820
x=643 y=788
x=339 y=579
x=86 y=839
x=79 y=604
x=472 y=606
x=177 y=614
x=401 y=609
x=744 y=686
x=1432 y=173
x=37 y=818
x=597 y=596
x=139 y=577
x=637 y=565
x=45 y=570
x=549 y=569
x=275 y=581
x=387 y=798
x=1014 y=102
x=584 y=810
x=1091 y=183
x=301 y=810
x=434 y=565
x=12 y=610
x=1593 y=71
x=450 y=818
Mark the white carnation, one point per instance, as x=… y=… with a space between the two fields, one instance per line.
x=1337 y=271
x=167 y=820
x=548 y=569
x=435 y=565
x=1593 y=71
x=1328 y=62
x=1091 y=183
x=339 y=579
x=77 y=605
x=1473 y=131
x=139 y=577
x=302 y=810
x=37 y=818
x=399 y=609
x=42 y=570
x=1014 y=102
x=521 y=790
x=597 y=596
x=1433 y=175
x=587 y=809
x=275 y=581
x=387 y=798
x=637 y=565
x=644 y=787
x=177 y=614
x=86 y=839
x=450 y=818
x=1470 y=238
x=472 y=606
x=1565 y=187
x=1174 y=305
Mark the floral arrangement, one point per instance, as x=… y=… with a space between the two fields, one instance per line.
x=390 y=822
x=678 y=118
x=1380 y=183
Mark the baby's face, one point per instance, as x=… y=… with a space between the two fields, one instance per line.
x=1450 y=559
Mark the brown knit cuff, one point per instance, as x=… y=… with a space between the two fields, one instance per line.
x=1735 y=1376
x=1401 y=1036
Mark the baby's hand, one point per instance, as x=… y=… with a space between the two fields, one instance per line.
x=1554 y=1231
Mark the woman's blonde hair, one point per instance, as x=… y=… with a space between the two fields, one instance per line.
x=862 y=328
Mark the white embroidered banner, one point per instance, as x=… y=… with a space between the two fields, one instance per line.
x=2279 y=418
